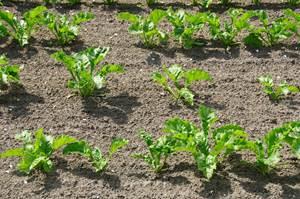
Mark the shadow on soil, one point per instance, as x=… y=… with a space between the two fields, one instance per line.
x=18 y=100
x=117 y=108
x=256 y=183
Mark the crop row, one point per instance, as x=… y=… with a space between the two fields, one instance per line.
x=207 y=145
x=259 y=29
x=202 y=3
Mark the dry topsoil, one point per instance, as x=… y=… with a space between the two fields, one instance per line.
x=133 y=102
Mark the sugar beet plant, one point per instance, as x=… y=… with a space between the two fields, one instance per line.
x=276 y=92
x=20 y=29
x=269 y=32
x=36 y=154
x=94 y=154
x=65 y=29
x=208 y=146
x=228 y=31
x=267 y=150
x=86 y=76
x=158 y=151
x=9 y=74
x=177 y=81
x=185 y=26
x=146 y=27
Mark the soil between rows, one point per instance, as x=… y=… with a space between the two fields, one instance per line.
x=133 y=102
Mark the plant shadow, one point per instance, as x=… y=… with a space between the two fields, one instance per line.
x=255 y=182
x=117 y=107
x=17 y=101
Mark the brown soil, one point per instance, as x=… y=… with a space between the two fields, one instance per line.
x=134 y=102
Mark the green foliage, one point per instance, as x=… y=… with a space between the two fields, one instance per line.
x=94 y=154
x=158 y=151
x=239 y=20
x=268 y=149
x=206 y=152
x=146 y=27
x=295 y=19
x=110 y=2
x=203 y=3
x=151 y=2
x=269 y=32
x=65 y=29
x=181 y=80
x=293 y=2
x=35 y=154
x=185 y=26
x=86 y=77
x=276 y=92
x=9 y=74
x=20 y=29
x=256 y=2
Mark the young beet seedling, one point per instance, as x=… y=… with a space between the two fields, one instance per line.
x=182 y=80
x=20 y=29
x=146 y=27
x=185 y=26
x=94 y=155
x=36 y=154
x=267 y=150
x=65 y=29
x=207 y=152
x=239 y=20
x=271 y=32
x=159 y=151
x=9 y=74
x=276 y=92
x=86 y=77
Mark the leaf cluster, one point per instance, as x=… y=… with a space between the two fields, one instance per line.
x=20 y=29
x=65 y=29
x=9 y=74
x=36 y=154
x=94 y=154
x=86 y=76
x=146 y=27
x=177 y=81
x=276 y=92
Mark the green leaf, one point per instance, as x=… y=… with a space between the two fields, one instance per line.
x=160 y=79
x=157 y=15
x=128 y=17
x=187 y=96
x=17 y=152
x=43 y=162
x=196 y=75
x=117 y=144
x=82 y=17
x=253 y=40
x=111 y=68
x=208 y=118
x=76 y=147
x=62 y=141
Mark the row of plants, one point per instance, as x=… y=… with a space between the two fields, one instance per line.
x=207 y=145
x=87 y=76
x=64 y=28
x=186 y=26
x=202 y=3
x=259 y=29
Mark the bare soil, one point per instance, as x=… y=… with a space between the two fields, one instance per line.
x=133 y=102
